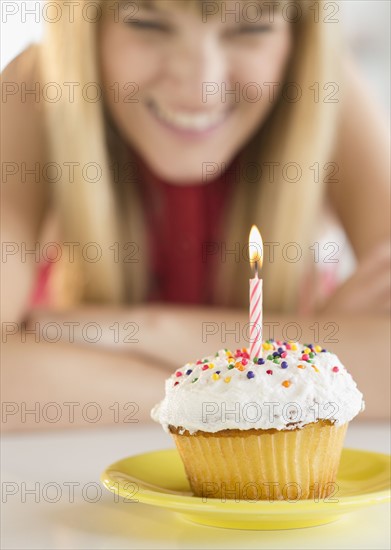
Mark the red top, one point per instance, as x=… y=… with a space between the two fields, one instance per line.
x=184 y=225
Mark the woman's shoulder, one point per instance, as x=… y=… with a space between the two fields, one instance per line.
x=24 y=67
x=23 y=149
x=22 y=86
x=361 y=158
x=22 y=107
x=24 y=190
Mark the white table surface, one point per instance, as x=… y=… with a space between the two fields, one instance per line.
x=31 y=461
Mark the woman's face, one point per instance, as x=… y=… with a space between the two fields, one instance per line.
x=187 y=88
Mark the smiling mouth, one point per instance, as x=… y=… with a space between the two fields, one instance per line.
x=186 y=121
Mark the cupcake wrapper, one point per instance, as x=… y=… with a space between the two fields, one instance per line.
x=263 y=464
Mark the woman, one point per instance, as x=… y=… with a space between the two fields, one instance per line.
x=158 y=133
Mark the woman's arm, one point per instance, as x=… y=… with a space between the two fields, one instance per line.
x=59 y=385
x=361 y=199
x=24 y=193
x=170 y=336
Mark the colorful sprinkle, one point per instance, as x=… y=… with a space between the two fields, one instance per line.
x=278 y=354
x=178 y=373
x=176 y=383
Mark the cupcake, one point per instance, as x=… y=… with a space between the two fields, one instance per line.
x=268 y=428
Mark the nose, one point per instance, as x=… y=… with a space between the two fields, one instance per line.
x=193 y=64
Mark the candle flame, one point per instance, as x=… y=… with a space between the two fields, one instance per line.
x=255 y=248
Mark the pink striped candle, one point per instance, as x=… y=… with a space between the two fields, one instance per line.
x=256 y=306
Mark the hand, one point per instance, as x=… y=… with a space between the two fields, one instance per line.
x=368 y=290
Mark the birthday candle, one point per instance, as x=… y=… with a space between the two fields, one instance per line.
x=256 y=306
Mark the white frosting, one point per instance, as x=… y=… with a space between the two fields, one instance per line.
x=262 y=402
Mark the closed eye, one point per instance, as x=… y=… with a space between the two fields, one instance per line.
x=147 y=25
x=253 y=29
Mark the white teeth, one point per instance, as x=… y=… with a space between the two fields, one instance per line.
x=187 y=121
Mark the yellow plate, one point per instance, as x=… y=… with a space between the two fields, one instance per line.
x=158 y=478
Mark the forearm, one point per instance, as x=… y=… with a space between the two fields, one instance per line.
x=67 y=385
x=174 y=335
x=164 y=333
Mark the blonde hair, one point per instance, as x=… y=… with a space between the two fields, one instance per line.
x=300 y=132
